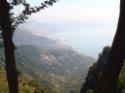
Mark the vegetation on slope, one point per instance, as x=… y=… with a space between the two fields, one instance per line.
x=26 y=84
x=96 y=70
x=55 y=66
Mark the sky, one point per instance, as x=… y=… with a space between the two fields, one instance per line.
x=79 y=10
x=85 y=25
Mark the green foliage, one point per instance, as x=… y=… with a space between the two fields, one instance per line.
x=25 y=84
x=33 y=83
x=90 y=91
x=121 y=80
x=3 y=81
x=96 y=70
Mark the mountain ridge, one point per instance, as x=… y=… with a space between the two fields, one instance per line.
x=51 y=63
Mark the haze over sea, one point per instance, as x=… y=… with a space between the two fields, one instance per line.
x=85 y=25
x=87 y=38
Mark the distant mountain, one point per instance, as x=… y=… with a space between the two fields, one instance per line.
x=51 y=63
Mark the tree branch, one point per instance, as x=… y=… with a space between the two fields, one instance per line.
x=30 y=10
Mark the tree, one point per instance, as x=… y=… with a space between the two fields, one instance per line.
x=108 y=81
x=95 y=71
x=8 y=24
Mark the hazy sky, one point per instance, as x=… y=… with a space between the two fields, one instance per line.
x=86 y=25
x=79 y=10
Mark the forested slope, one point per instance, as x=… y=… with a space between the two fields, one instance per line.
x=96 y=70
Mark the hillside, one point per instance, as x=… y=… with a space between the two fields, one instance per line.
x=61 y=68
x=50 y=63
x=95 y=71
x=26 y=84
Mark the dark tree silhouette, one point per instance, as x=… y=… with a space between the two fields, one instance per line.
x=95 y=71
x=7 y=26
x=108 y=81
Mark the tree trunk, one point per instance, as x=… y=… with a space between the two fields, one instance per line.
x=7 y=31
x=108 y=81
